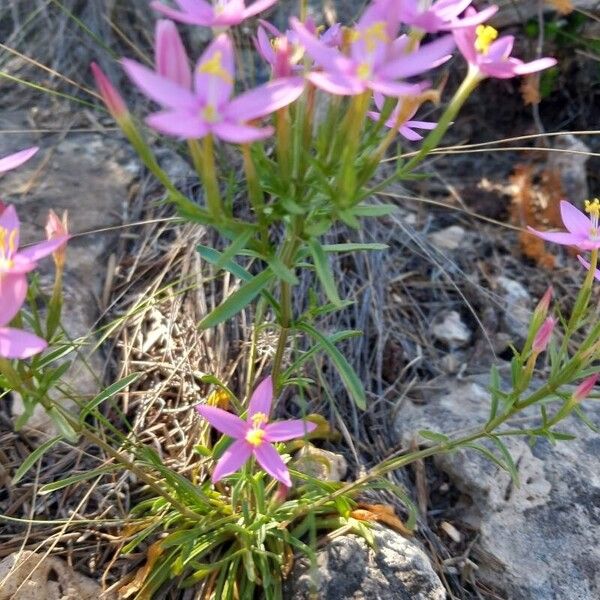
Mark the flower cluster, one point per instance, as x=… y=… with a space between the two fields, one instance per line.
x=373 y=56
x=15 y=263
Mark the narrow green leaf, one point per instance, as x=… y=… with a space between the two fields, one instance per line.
x=214 y=257
x=238 y=244
x=33 y=458
x=284 y=273
x=238 y=300
x=349 y=377
x=433 y=436
x=109 y=392
x=494 y=389
x=353 y=247
x=508 y=459
x=63 y=483
x=324 y=271
x=374 y=210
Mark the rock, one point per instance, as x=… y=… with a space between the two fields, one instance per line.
x=535 y=541
x=571 y=165
x=89 y=175
x=518 y=306
x=30 y=576
x=449 y=328
x=450 y=238
x=347 y=569
x=513 y=13
x=320 y=464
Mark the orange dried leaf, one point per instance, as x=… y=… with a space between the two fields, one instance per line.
x=133 y=587
x=530 y=89
x=381 y=513
x=564 y=7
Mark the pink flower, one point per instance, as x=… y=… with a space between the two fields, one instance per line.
x=376 y=59
x=12 y=161
x=543 y=336
x=582 y=231
x=585 y=387
x=170 y=58
x=441 y=15
x=224 y=13
x=407 y=126
x=253 y=437
x=588 y=266
x=209 y=109
x=490 y=55
x=18 y=262
x=15 y=343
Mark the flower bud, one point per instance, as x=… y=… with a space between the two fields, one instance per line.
x=542 y=337
x=56 y=228
x=585 y=387
x=544 y=304
x=171 y=60
x=115 y=104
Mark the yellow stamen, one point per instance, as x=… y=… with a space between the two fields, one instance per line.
x=209 y=114
x=255 y=437
x=8 y=246
x=592 y=207
x=219 y=398
x=214 y=66
x=259 y=419
x=486 y=34
x=364 y=70
x=376 y=33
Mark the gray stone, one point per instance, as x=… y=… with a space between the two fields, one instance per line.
x=537 y=541
x=571 y=165
x=512 y=13
x=347 y=569
x=449 y=328
x=450 y=238
x=518 y=306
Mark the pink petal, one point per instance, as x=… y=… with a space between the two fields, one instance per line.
x=158 y=88
x=465 y=41
x=337 y=83
x=216 y=88
x=326 y=57
x=477 y=18
x=535 y=66
x=263 y=45
x=257 y=7
x=236 y=133
x=587 y=265
x=426 y=57
x=559 y=237
x=265 y=99
x=500 y=49
x=15 y=343
x=262 y=398
x=224 y=421
x=9 y=220
x=288 y=430
x=450 y=9
x=13 y=290
x=233 y=458
x=171 y=59
x=268 y=458
x=393 y=88
x=422 y=124
x=179 y=123
x=12 y=161
x=39 y=251
x=575 y=220
x=409 y=134
x=202 y=14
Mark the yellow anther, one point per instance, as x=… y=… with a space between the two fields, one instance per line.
x=219 y=398
x=364 y=70
x=12 y=241
x=255 y=437
x=592 y=207
x=486 y=34
x=375 y=33
x=259 y=419
x=214 y=66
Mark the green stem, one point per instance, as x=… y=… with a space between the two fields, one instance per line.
x=203 y=157
x=431 y=142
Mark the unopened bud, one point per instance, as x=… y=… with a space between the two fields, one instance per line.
x=585 y=387
x=544 y=304
x=58 y=228
x=542 y=338
x=113 y=100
